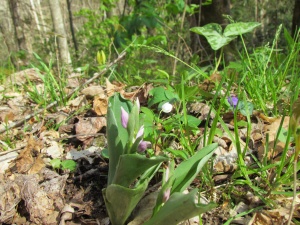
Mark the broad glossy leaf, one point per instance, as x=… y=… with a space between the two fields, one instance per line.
x=213 y=34
x=131 y=166
x=116 y=134
x=186 y=172
x=178 y=208
x=236 y=29
x=120 y=201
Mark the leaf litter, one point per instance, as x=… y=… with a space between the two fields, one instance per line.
x=34 y=193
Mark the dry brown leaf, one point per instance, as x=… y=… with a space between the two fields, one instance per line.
x=6 y=160
x=40 y=206
x=94 y=91
x=37 y=165
x=27 y=156
x=10 y=196
x=87 y=127
x=268 y=218
x=272 y=130
x=112 y=88
x=6 y=116
x=100 y=105
x=202 y=109
x=78 y=102
x=20 y=78
x=72 y=81
x=143 y=93
x=210 y=83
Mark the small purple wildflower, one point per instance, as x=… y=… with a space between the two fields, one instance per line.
x=124 y=117
x=233 y=101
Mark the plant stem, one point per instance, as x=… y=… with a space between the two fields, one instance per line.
x=297 y=148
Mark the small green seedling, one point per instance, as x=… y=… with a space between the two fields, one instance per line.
x=68 y=164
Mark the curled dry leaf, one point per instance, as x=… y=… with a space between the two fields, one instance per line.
x=29 y=159
x=6 y=160
x=78 y=102
x=202 y=109
x=112 y=88
x=75 y=155
x=51 y=148
x=21 y=77
x=6 y=114
x=87 y=127
x=272 y=129
x=10 y=196
x=67 y=214
x=100 y=105
x=43 y=198
x=94 y=91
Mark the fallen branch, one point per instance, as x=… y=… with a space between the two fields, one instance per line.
x=96 y=75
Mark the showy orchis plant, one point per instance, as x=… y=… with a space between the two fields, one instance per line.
x=129 y=169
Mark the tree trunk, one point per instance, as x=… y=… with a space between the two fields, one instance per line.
x=296 y=18
x=59 y=29
x=8 y=31
x=22 y=21
x=72 y=27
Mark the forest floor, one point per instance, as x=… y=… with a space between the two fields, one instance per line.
x=34 y=189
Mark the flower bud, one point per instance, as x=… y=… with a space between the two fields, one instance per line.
x=124 y=117
x=166 y=195
x=140 y=132
x=143 y=145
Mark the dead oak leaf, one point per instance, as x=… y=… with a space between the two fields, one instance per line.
x=112 y=88
x=27 y=159
x=271 y=130
x=87 y=127
x=94 y=91
x=100 y=105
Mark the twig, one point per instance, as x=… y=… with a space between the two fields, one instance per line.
x=20 y=122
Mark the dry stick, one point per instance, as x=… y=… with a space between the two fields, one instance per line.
x=19 y=123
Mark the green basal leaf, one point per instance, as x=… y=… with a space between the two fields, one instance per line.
x=236 y=29
x=131 y=166
x=117 y=136
x=178 y=208
x=120 y=201
x=186 y=172
x=178 y=153
x=104 y=153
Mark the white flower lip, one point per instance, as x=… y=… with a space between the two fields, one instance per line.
x=167 y=107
